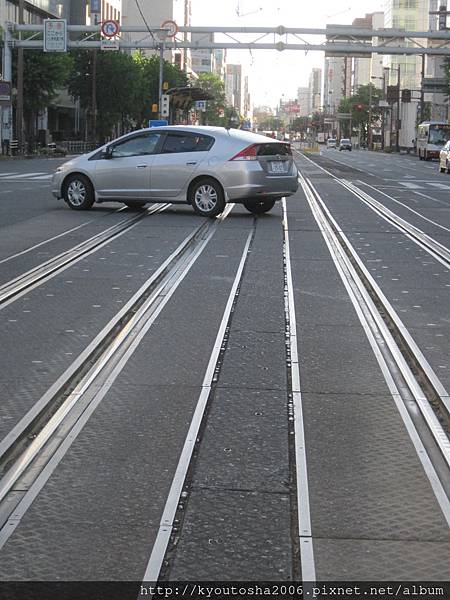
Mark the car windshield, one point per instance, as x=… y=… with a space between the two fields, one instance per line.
x=439 y=135
x=345 y=141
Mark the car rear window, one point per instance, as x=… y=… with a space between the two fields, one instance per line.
x=187 y=142
x=274 y=149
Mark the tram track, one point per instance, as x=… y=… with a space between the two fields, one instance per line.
x=421 y=398
x=33 y=448
x=17 y=287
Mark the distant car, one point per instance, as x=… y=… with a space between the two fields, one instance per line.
x=345 y=144
x=202 y=166
x=444 y=158
x=331 y=143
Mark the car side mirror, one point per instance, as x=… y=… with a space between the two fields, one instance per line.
x=108 y=152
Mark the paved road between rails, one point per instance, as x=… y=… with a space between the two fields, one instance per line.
x=260 y=399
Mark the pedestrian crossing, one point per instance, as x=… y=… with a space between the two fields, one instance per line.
x=34 y=176
x=412 y=185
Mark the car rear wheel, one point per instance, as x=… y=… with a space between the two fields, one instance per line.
x=135 y=204
x=258 y=207
x=207 y=197
x=78 y=192
x=442 y=169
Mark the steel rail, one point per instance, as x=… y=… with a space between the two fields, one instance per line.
x=390 y=337
x=63 y=414
x=440 y=252
x=14 y=289
x=178 y=487
x=437 y=393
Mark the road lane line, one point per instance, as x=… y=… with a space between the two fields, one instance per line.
x=303 y=504
x=158 y=552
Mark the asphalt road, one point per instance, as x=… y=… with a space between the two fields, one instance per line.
x=302 y=467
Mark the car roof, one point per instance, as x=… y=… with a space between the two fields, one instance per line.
x=241 y=134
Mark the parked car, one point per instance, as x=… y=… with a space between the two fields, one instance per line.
x=444 y=158
x=345 y=144
x=202 y=166
x=331 y=143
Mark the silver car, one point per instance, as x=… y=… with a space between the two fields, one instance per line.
x=203 y=166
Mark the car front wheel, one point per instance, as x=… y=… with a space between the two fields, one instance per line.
x=207 y=197
x=78 y=192
x=258 y=207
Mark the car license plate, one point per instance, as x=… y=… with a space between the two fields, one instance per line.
x=277 y=167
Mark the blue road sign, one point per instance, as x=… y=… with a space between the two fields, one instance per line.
x=157 y=122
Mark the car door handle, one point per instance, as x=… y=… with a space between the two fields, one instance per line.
x=141 y=166
x=192 y=163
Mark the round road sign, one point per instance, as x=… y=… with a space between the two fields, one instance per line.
x=110 y=28
x=172 y=28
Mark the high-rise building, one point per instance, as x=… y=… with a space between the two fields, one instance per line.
x=411 y=15
x=237 y=90
x=315 y=90
x=155 y=12
x=303 y=101
x=202 y=59
x=369 y=69
x=337 y=81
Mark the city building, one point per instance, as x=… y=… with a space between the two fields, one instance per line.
x=369 y=69
x=303 y=101
x=203 y=60
x=155 y=13
x=233 y=87
x=337 y=81
x=315 y=90
x=434 y=68
x=220 y=63
x=411 y=15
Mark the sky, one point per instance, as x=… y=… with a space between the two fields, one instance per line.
x=272 y=74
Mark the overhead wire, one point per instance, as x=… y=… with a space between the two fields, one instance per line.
x=145 y=20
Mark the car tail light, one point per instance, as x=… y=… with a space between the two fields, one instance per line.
x=249 y=153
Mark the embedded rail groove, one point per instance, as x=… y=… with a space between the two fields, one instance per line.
x=16 y=441
x=437 y=250
x=408 y=367
x=13 y=289
x=56 y=423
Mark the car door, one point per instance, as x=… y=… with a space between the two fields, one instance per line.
x=180 y=155
x=124 y=172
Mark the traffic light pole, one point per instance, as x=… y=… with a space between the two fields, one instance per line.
x=161 y=76
x=397 y=128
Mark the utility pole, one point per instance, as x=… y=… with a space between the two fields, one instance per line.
x=397 y=129
x=422 y=93
x=369 y=127
x=19 y=100
x=161 y=76
x=94 y=95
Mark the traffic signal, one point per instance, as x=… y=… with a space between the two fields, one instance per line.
x=360 y=106
x=406 y=95
x=165 y=99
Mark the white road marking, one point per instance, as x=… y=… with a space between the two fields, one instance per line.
x=441 y=186
x=26 y=175
x=410 y=185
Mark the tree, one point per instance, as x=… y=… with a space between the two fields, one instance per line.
x=358 y=107
x=44 y=74
x=272 y=124
x=118 y=82
x=215 y=108
x=300 y=124
x=148 y=93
